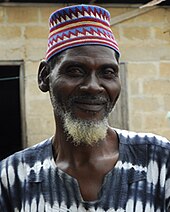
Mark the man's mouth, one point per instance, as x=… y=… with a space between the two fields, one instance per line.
x=90 y=105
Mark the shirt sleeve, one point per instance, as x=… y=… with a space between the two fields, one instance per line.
x=167 y=185
x=5 y=205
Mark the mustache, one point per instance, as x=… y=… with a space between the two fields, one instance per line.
x=97 y=99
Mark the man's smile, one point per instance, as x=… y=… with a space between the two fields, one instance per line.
x=90 y=106
x=93 y=104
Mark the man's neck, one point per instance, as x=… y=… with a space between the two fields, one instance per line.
x=66 y=152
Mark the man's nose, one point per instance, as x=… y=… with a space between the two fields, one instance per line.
x=92 y=84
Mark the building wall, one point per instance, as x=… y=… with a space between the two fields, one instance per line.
x=145 y=47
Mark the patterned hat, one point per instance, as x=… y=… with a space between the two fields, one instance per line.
x=79 y=25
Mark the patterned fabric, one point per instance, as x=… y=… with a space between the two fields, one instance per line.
x=79 y=25
x=140 y=181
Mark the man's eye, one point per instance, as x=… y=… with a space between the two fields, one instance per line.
x=109 y=73
x=74 y=72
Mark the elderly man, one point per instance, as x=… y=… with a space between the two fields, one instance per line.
x=86 y=165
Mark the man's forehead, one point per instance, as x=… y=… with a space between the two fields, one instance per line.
x=88 y=56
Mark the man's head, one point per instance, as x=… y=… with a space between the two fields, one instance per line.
x=83 y=83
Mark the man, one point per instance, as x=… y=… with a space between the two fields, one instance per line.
x=86 y=165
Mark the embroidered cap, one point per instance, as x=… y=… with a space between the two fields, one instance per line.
x=79 y=25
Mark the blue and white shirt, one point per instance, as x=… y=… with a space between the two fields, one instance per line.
x=30 y=181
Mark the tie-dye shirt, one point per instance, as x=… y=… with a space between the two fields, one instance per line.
x=140 y=181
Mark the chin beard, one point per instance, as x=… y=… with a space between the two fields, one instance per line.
x=85 y=131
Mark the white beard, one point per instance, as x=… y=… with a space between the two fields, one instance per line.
x=85 y=131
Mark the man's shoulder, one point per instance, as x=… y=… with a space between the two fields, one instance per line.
x=28 y=155
x=141 y=138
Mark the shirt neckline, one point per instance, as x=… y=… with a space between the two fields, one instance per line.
x=105 y=178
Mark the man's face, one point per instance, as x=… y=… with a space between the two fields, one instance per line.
x=84 y=86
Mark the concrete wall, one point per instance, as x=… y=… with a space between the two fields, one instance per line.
x=145 y=46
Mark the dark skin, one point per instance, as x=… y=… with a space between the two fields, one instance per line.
x=92 y=71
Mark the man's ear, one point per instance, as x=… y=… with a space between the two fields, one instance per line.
x=43 y=76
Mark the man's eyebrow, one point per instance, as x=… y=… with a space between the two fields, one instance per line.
x=74 y=62
x=115 y=65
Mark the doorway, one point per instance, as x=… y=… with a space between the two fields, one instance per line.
x=10 y=110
